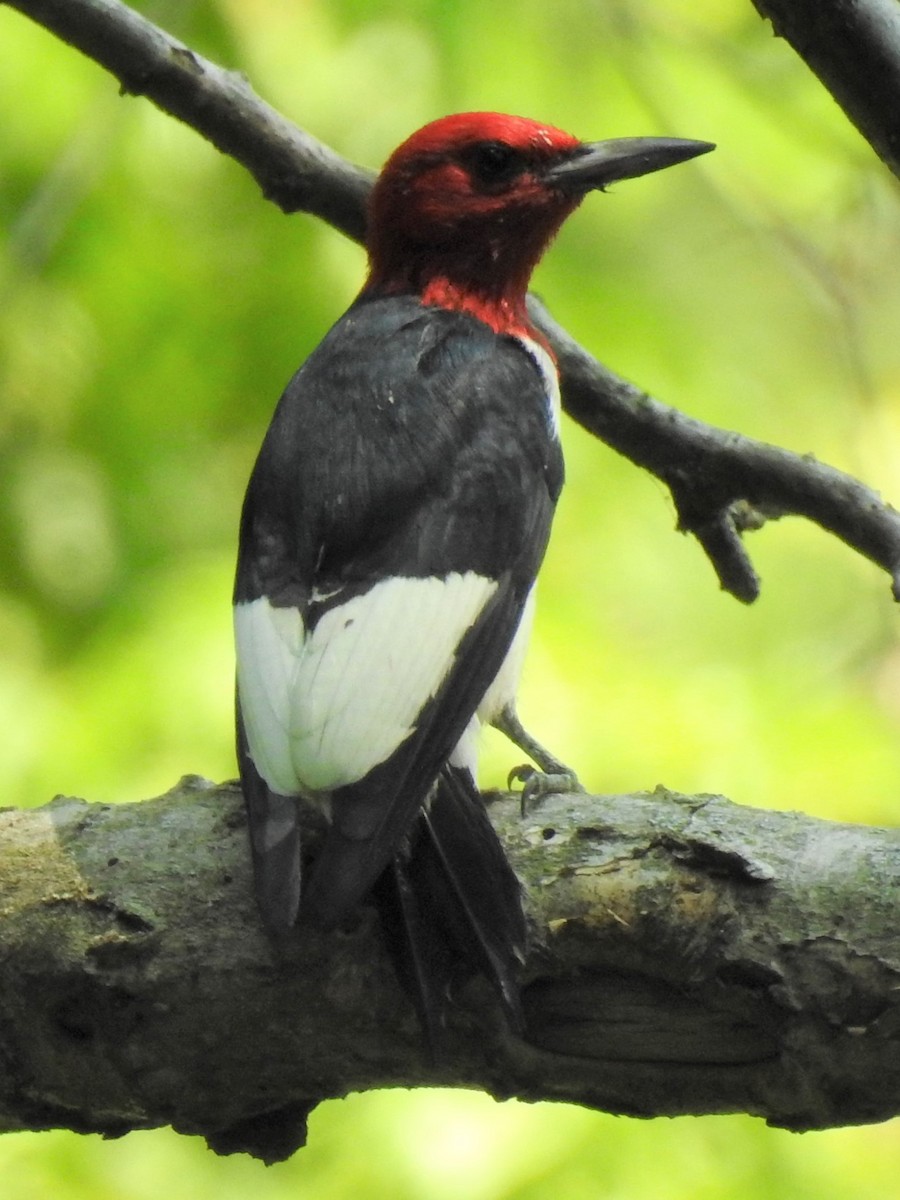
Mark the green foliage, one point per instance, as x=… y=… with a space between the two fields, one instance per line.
x=152 y=306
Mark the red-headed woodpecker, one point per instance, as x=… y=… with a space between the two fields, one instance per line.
x=391 y=534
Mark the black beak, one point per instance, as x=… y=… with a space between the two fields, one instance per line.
x=596 y=164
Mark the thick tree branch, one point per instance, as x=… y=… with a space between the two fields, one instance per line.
x=688 y=956
x=293 y=169
x=853 y=46
x=713 y=474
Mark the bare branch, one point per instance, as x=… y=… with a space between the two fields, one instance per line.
x=293 y=169
x=853 y=46
x=688 y=956
x=713 y=474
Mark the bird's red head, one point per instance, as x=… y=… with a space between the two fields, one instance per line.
x=461 y=212
x=464 y=209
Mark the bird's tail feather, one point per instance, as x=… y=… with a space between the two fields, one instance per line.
x=451 y=905
x=422 y=962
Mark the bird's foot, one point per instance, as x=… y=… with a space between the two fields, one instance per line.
x=548 y=777
x=539 y=783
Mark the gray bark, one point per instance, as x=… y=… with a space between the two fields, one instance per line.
x=853 y=46
x=687 y=956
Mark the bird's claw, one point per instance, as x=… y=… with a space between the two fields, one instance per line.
x=538 y=784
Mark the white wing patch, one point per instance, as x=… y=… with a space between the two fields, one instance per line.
x=501 y=692
x=506 y=682
x=321 y=709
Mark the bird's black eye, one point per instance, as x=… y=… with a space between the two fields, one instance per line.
x=494 y=164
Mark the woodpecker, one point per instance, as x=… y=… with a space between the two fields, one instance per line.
x=392 y=529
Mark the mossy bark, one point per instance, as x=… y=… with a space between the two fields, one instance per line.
x=688 y=956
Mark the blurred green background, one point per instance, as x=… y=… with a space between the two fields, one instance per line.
x=152 y=306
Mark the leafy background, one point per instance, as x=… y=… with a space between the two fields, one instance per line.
x=152 y=306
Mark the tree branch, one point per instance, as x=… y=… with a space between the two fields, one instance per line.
x=293 y=169
x=722 y=482
x=853 y=46
x=713 y=474
x=688 y=956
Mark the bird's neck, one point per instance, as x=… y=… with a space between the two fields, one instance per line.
x=486 y=276
x=504 y=311
x=503 y=308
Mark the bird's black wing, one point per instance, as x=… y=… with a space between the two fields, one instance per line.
x=400 y=508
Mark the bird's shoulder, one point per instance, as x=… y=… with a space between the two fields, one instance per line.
x=393 y=361
x=412 y=437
